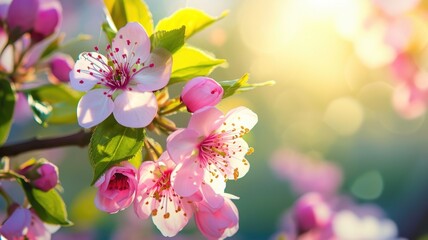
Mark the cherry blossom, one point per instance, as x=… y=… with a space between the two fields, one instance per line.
x=116 y=188
x=155 y=196
x=201 y=92
x=121 y=82
x=211 y=149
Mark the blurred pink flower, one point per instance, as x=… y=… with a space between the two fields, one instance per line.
x=311 y=211
x=24 y=223
x=211 y=148
x=21 y=16
x=17 y=224
x=306 y=174
x=411 y=91
x=346 y=220
x=201 y=92
x=116 y=188
x=124 y=87
x=61 y=66
x=155 y=196
x=217 y=223
x=395 y=7
x=48 y=20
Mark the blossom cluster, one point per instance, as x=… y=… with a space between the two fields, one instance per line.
x=321 y=212
x=391 y=34
x=190 y=177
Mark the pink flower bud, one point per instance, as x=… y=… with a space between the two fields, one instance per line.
x=21 y=16
x=17 y=224
x=116 y=188
x=61 y=65
x=42 y=174
x=311 y=212
x=48 y=20
x=200 y=92
x=217 y=223
x=48 y=177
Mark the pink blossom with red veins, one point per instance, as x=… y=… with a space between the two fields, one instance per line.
x=155 y=197
x=217 y=223
x=201 y=92
x=122 y=82
x=210 y=149
x=116 y=188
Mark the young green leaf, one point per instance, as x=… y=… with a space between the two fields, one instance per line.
x=53 y=104
x=190 y=62
x=49 y=206
x=109 y=31
x=193 y=19
x=124 y=11
x=7 y=103
x=170 y=40
x=112 y=143
x=231 y=87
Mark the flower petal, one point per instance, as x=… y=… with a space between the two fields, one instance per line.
x=206 y=120
x=239 y=166
x=213 y=199
x=170 y=221
x=81 y=78
x=143 y=205
x=187 y=177
x=239 y=119
x=93 y=108
x=132 y=40
x=135 y=109
x=181 y=144
x=156 y=73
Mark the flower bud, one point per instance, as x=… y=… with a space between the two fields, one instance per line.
x=116 y=188
x=200 y=92
x=48 y=20
x=17 y=224
x=21 y=16
x=311 y=212
x=42 y=174
x=60 y=66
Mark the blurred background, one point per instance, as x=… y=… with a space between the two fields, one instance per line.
x=341 y=99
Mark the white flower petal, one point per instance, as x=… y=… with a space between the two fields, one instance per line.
x=132 y=40
x=135 y=109
x=93 y=108
x=156 y=73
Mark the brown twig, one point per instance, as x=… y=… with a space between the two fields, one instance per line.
x=80 y=139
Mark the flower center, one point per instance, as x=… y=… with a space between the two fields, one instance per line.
x=118 y=182
x=212 y=148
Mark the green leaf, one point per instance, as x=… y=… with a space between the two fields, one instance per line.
x=190 y=62
x=231 y=87
x=193 y=19
x=170 y=40
x=125 y=11
x=49 y=206
x=112 y=143
x=54 y=104
x=109 y=30
x=7 y=103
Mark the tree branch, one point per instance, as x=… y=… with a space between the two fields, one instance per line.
x=80 y=139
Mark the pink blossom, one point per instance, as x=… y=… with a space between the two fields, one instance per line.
x=61 y=65
x=155 y=196
x=217 y=223
x=125 y=86
x=201 y=92
x=48 y=20
x=48 y=177
x=21 y=16
x=40 y=230
x=211 y=149
x=311 y=212
x=42 y=174
x=17 y=224
x=116 y=188
x=306 y=174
